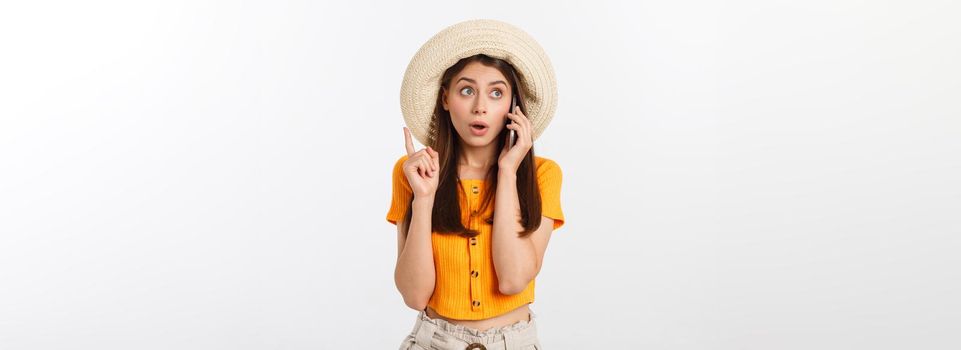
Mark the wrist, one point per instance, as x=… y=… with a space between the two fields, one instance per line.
x=426 y=199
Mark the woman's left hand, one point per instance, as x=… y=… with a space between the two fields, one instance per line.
x=511 y=157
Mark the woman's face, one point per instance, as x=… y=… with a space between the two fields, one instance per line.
x=478 y=95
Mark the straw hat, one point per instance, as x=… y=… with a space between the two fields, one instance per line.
x=418 y=92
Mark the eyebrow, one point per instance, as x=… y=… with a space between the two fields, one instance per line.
x=475 y=82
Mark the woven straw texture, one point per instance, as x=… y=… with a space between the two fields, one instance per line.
x=418 y=92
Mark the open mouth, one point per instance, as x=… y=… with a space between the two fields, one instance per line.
x=478 y=128
x=478 y=125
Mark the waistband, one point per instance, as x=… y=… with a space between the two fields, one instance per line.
x=474 y=335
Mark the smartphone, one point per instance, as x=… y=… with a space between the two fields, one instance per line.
x=513 y=134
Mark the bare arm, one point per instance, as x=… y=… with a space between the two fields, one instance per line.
x=414 y=274
x=515 y=258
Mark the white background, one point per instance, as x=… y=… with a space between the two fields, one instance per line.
x=737 y=175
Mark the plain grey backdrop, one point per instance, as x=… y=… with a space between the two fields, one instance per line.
x=737 y=175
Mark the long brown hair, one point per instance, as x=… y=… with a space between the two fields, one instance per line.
x=442 y=137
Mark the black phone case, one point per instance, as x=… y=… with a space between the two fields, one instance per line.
x=513 y=134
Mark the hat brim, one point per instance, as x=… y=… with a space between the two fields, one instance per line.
x=418 y=93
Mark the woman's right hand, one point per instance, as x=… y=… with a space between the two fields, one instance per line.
x=422 y=168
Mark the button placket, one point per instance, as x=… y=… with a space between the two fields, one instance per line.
x=473 y=253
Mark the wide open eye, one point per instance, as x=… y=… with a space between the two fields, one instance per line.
x=496 y=94
x=466 y=91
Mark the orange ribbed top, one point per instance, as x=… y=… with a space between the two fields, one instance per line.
x=459 y=292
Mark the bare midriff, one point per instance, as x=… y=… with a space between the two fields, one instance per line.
x=519 y=314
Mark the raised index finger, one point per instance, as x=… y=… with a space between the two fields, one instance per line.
x=410 y=144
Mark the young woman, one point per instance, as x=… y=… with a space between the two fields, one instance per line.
x=474 y=211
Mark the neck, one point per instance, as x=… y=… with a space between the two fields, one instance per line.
x=477 y=157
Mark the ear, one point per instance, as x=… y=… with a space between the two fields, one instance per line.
x=443 y=98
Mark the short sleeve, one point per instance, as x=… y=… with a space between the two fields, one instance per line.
x=401 y=192
x=549 y=182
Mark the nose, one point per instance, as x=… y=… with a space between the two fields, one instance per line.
x=480 y=106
